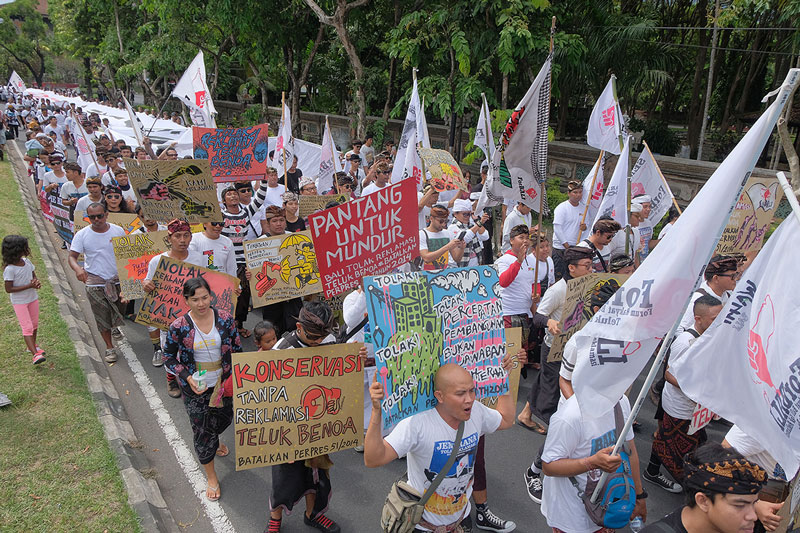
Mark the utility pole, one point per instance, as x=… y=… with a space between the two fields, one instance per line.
x=710 y=85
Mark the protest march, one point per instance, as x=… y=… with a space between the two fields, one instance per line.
x=407 y=290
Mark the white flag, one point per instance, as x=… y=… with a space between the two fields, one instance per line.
x=422 y=127
x=593 y=192
x=646 y=179
x=605 y=123
x=620 y=338
x=15 y=80
x=136 y=123
x=328 y=162
x=615 y=201
x=410 y=127
x=193 y=92
x=412 y=163
x=284 y=147
x=483 y=132
x=519 y=164
x=746 y=367
x=83 y=143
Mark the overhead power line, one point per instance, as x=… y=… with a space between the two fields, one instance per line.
x=770 y=52
x=701 y=28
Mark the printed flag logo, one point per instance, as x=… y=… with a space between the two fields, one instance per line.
x=608 y=116
x=200 y=98
x=756 y=346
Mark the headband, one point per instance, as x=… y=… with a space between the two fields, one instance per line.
x=737 y=476
x=177 y=225
x=313 y=325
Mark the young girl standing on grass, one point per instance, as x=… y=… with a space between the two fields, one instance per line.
x=21 y=285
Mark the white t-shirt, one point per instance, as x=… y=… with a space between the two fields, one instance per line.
x=617 y=245
x=107 y=179
x=69 y=190
x=194 y=258
x=573 y=436
x=688 y=315
x=518 y=296
x=645 y=235
x=552 y=305
x=513 y=218
x=274 y=196
x=354 y=307
x=84 y=202
x=754 y=451
x=436 y=241
x=605 y=253
x=50 y=178
x=427 y=440
x=371 y=188
x=567 y=224
x=673 y=400
x=568 y=359
x=93 y=170
x=207 y=349
x=129 y=196
x=20 y=276
x=97 y=250
x=217 y=254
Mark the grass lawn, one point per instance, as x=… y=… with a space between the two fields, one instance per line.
x=57 y=472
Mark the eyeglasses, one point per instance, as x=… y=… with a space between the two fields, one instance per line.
x=736 y=276
x=96 y=217
x=113 y=196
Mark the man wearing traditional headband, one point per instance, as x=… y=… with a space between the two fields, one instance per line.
x=568 y=230
x=721 y=490
x=645 y=226
x=721 y=275
x=179 y=236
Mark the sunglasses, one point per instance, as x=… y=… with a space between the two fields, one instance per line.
x=217 y=224
x=96 y=217
x=384 y=172
x=735 y=276
x=113 y=196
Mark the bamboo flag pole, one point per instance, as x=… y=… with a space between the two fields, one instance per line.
x=543 y=185
x=674 y=202
x=591 y=192
x=283 y=117
x=628 y=230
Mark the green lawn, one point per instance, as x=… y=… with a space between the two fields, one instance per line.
x=57 y=472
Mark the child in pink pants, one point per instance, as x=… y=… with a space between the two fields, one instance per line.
x=21 y=284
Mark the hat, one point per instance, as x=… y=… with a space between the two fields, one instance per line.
x=175 y=225
x=354 y=157
x=305 y=181
x=636 y=208
x=574 y=185
x=273 y=211
x=642 y=199
x=462 y=206
x=289 y=196
x=113 y=189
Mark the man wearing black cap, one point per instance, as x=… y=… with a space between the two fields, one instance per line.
x=721 y=490
x=356 y=172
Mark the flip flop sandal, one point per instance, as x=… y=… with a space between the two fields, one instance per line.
x=538 y=428
x=221 y=452
x=215 y=489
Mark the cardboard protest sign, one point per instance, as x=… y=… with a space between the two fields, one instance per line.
x=422 y=320
x=45 y=199
x=282 y=267
x=445 y=174
x=127 y=221
x=61 y=219
x=751 y=217
x=701 y=417
x=133 y=253
x=311 y=204
x=175 y=189
x=233 y=153
x=577 y=308
x=292 y=405
x=165 y=304
x=513 y=345
x=367 y=236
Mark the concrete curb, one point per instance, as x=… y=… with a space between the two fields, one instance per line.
x=144 y=495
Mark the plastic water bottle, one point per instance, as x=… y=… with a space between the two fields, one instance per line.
x=637 y=524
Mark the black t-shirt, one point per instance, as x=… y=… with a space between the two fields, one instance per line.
x=292 y=181
x=669 y=524
x=297 y=225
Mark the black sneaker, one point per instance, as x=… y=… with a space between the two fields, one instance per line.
x=533 y=484
x=662 y=481
x=323 y=523
x=485 y=519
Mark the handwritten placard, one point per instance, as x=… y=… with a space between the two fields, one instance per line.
x=311 y=204
x=133 y=254
x=233 y=153
x=445 y=174
x=513 y=346
x=293 y=405
x=751 y=217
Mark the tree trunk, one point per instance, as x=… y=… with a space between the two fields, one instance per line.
x=87 y=76
x=696 y=107
x=756 y=62
x=726 y=113
x=563 y=113
x=504 y=94
x=387 y=107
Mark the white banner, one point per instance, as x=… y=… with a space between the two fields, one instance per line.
x=646 y=179
x=605 y=124
x=193 y=92
x=284 y=149
x=410 y=127
x=746 y=366
x=328 y=162
x=593 y=192
x=622 y=335
x=422 y=127
x=15 y=80
x=412 y=163
x=615 y=201
x=136 y=124
x=483 y=132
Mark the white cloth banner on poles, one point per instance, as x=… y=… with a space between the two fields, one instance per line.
x=422 y=127
x=616 y=344
x=615 y=200
x=284 y=150
x=15 y=80
x=328 y=162
x=646 y=179
x=412 y=162
x=136 y=123
x=192 y=90
x=86 y=148
x=593 y=195
x=605 y=122
x=746 y=366
x=483 y=132
x=519 y=164
x=410 y=128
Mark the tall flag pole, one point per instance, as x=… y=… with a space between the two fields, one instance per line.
x=410 y=128
x=327 y=164
x=136 y=124
x=483 y=131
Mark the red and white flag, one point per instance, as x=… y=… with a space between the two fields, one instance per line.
x=192 y=90
x=615 y=201
x=412 y=163
x=646 y=179
x=483 y=132
x=284 y=147
x=620 y=338
x=411 y=128
x=593 y=192
x=16 y=82
x=328 y=162
x=605 y=124
x=746 y=366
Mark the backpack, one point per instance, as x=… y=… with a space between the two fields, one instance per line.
x=617 y=498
